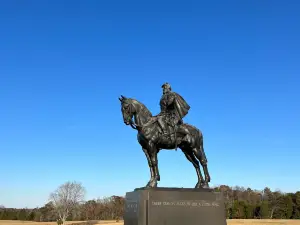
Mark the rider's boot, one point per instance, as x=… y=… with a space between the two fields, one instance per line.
x=166 y=131
x=162 y=126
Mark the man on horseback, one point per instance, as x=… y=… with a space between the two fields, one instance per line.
x=173 y=109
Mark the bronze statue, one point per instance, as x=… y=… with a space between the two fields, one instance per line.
x=166 y=131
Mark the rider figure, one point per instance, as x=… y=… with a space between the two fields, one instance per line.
x=173 y=109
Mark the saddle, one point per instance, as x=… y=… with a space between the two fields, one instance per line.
x=171 y=127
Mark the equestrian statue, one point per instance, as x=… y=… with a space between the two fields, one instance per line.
x=166 y=131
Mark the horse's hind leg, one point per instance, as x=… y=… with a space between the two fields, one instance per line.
x=199 y=153
x=190 y=156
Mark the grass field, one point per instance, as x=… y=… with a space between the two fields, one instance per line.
x=229 y=222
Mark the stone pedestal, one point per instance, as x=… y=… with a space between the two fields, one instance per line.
x=174 y=206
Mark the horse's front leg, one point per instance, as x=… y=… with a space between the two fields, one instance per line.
x=153 y=156
x=156 y=170
x=150 y=166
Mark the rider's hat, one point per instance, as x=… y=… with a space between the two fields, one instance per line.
x=166 y=85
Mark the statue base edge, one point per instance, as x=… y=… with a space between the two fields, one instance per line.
x=174 y=189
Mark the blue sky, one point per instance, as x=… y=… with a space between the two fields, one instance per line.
x=65 y=63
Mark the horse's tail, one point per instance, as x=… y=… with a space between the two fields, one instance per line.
x=199 y=139
x=200 y=145
x=196 y=133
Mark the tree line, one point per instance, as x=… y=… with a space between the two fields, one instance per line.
x=109 y=208
x=241 y=203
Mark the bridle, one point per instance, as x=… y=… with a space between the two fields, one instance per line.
x=131 y=122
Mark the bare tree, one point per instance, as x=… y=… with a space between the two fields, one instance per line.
x=67 y=198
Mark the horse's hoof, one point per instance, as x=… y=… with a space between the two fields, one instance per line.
x=153 y=184
x=205 y=185
x=198 y=185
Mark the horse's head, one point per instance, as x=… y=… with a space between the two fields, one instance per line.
x=132 y=108
x=127 y=109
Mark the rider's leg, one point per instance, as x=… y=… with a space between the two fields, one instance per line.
x=162 y=125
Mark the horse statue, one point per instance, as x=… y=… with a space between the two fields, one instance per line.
x=150 y=137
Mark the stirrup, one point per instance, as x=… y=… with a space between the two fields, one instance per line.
x=166 y=134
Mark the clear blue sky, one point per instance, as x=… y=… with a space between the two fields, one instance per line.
x=63 y=65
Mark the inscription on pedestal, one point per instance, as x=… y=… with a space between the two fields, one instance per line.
x=186 y=203
x=131 y=206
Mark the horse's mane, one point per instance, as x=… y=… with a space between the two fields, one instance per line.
x=143 y=107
